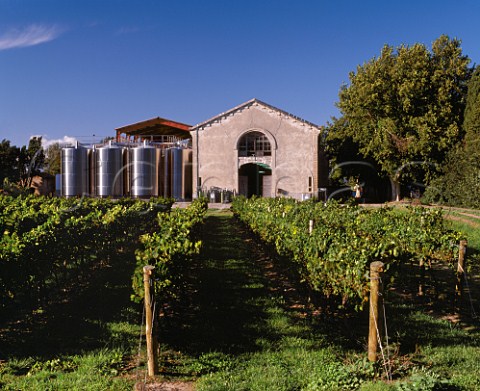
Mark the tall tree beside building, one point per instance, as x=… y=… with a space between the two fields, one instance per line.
x=471 y=123
x=471 y=182
x=52 y=159
x=32 y=160
x=9 y=161
x=404 y=109
x=459 y=184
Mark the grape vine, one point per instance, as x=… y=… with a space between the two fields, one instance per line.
x=48 y=243
x=334 y=258
x=169 y=247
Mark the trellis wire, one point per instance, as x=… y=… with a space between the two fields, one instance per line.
x=464 y=272
x=153 y=301
x=379 y=339
x=140 y=347
x=387 y=339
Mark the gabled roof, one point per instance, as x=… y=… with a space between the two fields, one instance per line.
x=248 y=104
x=155 y=127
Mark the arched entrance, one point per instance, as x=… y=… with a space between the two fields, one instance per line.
x=255 y=179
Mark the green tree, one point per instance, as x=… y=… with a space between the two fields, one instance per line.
x=405 y=108
x=32 y=159
x=347 y=166
x=9 y=161
x=52 y=159
x=471 y=123
x=459 y=184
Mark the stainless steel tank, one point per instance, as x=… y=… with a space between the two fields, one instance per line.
x=74 y=171
x=92 y=169
x=126 y=171
x=58 y=184
x=143 y=171
x=160 y=171
x=109 y=171
x=177 y=173
x=167 y=185
x=187 y=183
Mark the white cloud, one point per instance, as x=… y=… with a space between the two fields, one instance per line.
x=46 y=142
x=34 y=34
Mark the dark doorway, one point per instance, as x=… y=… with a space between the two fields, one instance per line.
x=255 y=179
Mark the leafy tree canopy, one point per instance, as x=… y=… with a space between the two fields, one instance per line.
x=32 y=160
x=53 y=159
x=405 y=108
x=471 y=123
x=459 y=184
x=9 y=161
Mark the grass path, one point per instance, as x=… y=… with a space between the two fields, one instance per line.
x=240 y=322
x=243 y=322
x=234 y=296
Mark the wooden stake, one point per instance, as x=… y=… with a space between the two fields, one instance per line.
x=310 y=227
x=151 y=351
x=376 y=315
x=462 y=254
x=421 y=284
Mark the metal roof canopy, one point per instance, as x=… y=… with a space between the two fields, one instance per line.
x=155 y=127
x=264 y=166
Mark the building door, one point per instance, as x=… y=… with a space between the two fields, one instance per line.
x=243 y=184
x=254 y=179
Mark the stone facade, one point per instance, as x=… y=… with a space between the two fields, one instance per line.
x=256 y=148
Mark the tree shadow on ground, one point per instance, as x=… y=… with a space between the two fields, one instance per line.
x=437 y=317
x=227 y=303
x=234 y=290
x=75 y=319
x=221 y=301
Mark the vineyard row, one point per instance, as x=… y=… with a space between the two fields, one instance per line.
x=48 y=243
x=332 y=245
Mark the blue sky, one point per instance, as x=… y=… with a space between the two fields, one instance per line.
x=83 y=68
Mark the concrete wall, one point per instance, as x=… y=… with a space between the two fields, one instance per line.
x=294 y=156
x=43 y=185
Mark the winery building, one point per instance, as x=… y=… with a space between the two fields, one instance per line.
x=258 y=149
x=251 y=149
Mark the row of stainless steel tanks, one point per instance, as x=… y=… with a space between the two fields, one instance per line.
x=115 y=170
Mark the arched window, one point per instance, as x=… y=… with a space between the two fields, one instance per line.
x=254 y=144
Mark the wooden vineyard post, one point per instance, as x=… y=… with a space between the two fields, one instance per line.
x=310 y=226
x=151 y=350
x=421 y=284
x=376 y=309
x=462 y=252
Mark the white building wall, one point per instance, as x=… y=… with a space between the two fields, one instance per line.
x=294 y=146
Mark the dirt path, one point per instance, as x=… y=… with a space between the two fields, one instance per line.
x=463 y=220
x=461 y=214
x=462 y=211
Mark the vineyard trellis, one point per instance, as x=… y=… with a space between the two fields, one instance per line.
x=334 y=255
x=48 y=243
